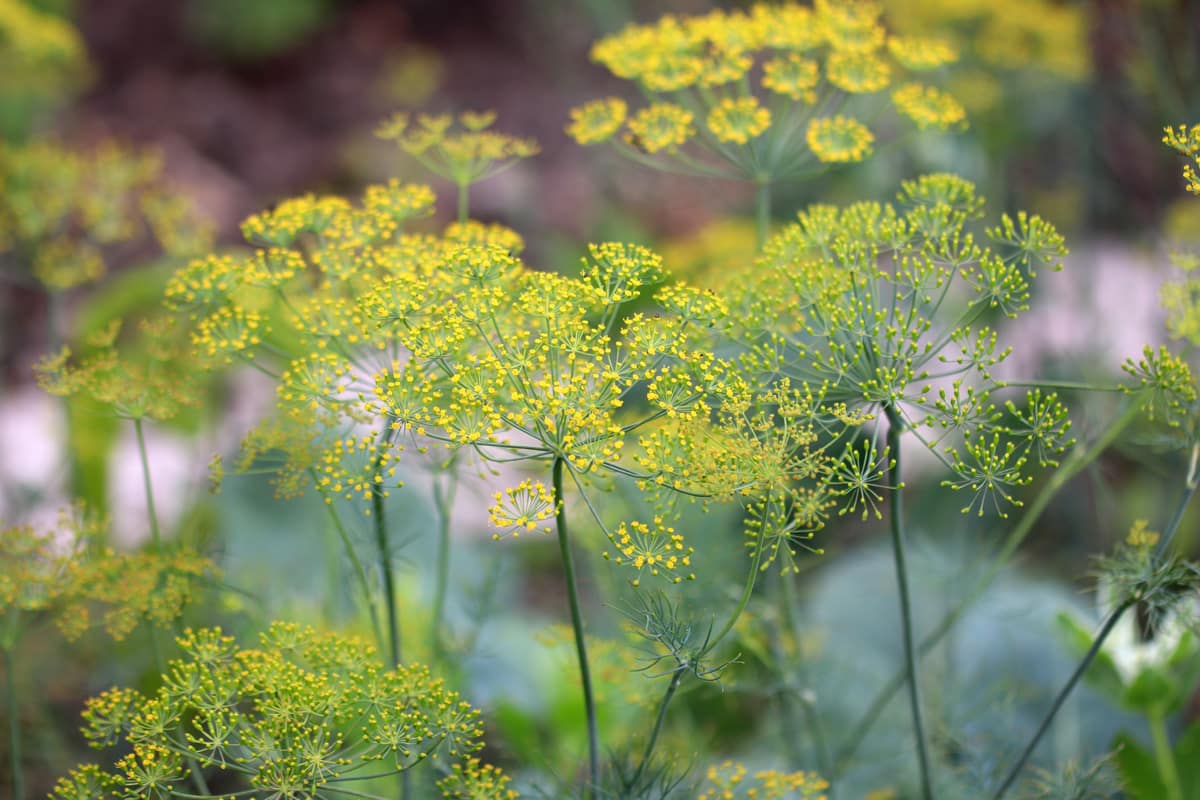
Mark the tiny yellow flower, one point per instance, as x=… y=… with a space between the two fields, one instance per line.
x=839 y=140
x=738 y=120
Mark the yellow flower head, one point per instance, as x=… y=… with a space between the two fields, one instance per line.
x=738 y=120
x=928 y=107
x=921 y=53
x=662 y=126
x=858 y=72
x=839 y=140
x=597 y=121
x=792 y=75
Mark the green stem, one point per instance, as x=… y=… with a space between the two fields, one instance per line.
x=443 y=501
x=155 y=535
x=659 y=720
x=385 y=565
x=589 y=702
x=762 y=211
x=389 y=578
x=1070 y=468
x=896 y=514
x=14 y=725
x=1081 y=668
x=360 y=572
x=464 y=201
x=1168 y=770
x=1109 y=624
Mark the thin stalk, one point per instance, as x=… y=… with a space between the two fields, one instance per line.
x=14 y=726
x=762 y=211
x=1109 y=624
x=1168 y=770
x=585 y=676
x=155 y=535
x=389 y=581
x=464 y=201
x=1081 y=668
x=360 y=572
x=385 y=565
x=443 y=501
x=661 y=718
x=1070 y=468
x=896 y=514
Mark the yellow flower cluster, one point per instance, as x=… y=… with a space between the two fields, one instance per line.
x=42 y=59
x=66 y=573
x=464 y=154
x=305 y=708
x=153 y=378
x=839 y=139
x=996 y=43
x=521 y=507
x=730 y=781
x=928 y=107
x=655 y=548
x=1186 y=141
x=60 y=210
x=475 y=780
x=830 y=56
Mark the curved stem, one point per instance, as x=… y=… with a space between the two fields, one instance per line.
x=585 y=676
x=1164 y=757
x=896 y=514
x=1071 y=467
x=155 y=535
x=1081 y=668
x=14 y=725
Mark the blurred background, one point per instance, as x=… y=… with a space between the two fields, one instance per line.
x=246 y=102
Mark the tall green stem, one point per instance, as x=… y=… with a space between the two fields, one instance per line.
x=150 y=510
x=443 y=501
x=585 y=676
x=389 y=576
x=14 y=725
x=1168 y=770
x=1071 y=467
x=762 y=211
x=896 y=514
x=1061 y=698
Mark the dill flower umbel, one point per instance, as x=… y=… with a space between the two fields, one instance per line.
x=835 y=56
